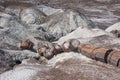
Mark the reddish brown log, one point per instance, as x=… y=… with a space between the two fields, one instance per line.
x=70 y=45
x=74 y=43
x=42 y=49
x=48 y=54
x=114 y=58
x=56 y=49
x=87 y=50
x=66 y=46
x=101 y=54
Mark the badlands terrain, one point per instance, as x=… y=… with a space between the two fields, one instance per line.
x=30 y=29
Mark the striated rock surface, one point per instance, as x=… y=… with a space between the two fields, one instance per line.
x=62 y=23
x=102 y=41
x=83 y=33
x=102 y=12
x=9 y=58
x=115 y=26
x=32 y=16
x=68 y=66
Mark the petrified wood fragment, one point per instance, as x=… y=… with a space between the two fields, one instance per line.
x=48 y=54
x=101 y=54
x=98 y=53
x=26 y=44
x=70 y=45
x=42 y=49
x=87 y=50
x=66 y=46
x=114 y=58
x=74 y=43
x=56 y=48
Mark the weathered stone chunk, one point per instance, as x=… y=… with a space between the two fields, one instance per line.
x=66 y=46
x=56 y=48
x=48 y=54
x=74 y=44
x=26 y=44
x=41 y=50
x=70 y=45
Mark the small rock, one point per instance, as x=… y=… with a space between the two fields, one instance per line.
x=26 y=44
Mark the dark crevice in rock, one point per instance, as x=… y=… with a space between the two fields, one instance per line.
x=107 y=54
x=118 y=63
x=18 y=62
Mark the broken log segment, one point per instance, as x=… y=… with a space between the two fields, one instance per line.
x=101 y=54
x=56 y=48
x=66 y=46
x=42 y=49
x=74 y=44
x=48 y=54
x=26 y=44
x=70 y=45
x=114 y=58
x=98 y=53
x=87 y=50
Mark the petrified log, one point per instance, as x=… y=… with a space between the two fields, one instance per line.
x=56 y=48
x=101 y=54
x=114 y=58
x=98 y=53
x=74 y=43
x=48 y=54
x=70 y=45
x=66 y=46
x=87 y=50
x=42 y=49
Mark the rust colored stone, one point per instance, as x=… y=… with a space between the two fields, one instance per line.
x=26 y=44
x=66 y=46
x=42 y=50
x=87 y=50
x=48 y=54
x=80 y=46
x=70 y=45
x=114 y=58
x=74 y=44
x=101 y=54
x=56 y=48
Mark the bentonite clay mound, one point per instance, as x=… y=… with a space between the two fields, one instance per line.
x=66 y=66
